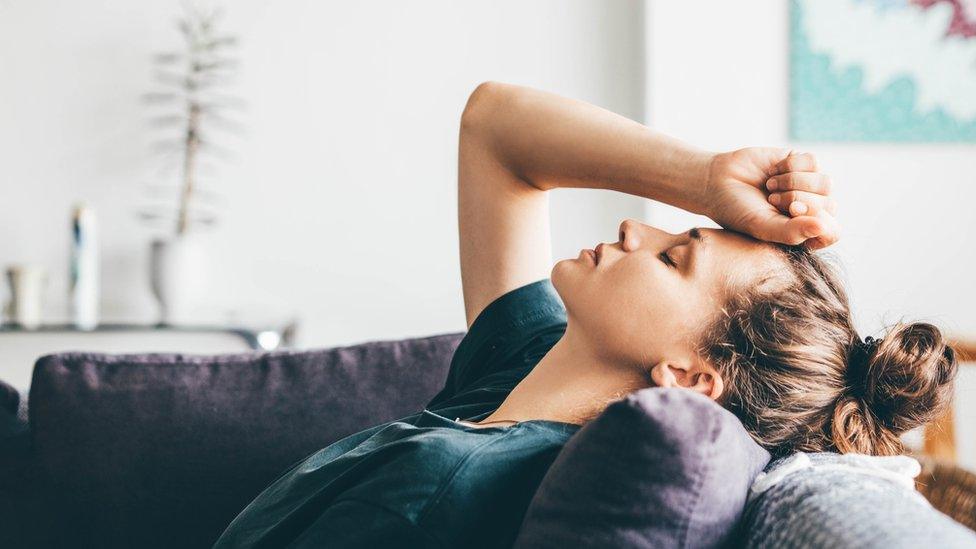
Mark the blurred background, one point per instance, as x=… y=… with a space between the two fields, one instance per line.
x=324 y=204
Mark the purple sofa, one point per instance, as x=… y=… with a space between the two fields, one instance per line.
x=163 y=450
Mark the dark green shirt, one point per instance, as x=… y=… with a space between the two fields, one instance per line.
x=426 y=480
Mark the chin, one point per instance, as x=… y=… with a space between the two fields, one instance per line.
x=562 y=275
x=567 y=279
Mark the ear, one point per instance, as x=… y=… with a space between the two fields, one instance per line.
x=697 y=376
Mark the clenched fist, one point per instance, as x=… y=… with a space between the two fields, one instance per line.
x=773 y=195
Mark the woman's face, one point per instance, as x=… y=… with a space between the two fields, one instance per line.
x=651 y=293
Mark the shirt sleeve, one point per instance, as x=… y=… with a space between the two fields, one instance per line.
x=506 y=340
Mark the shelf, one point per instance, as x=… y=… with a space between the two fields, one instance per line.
x=257 y=338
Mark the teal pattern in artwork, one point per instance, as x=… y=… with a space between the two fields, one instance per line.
x=827 y=104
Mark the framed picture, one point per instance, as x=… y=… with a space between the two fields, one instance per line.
x=883 y=70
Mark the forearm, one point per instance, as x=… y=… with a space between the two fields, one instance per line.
x=550 y=142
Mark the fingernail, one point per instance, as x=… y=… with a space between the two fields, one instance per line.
x=771 y=184
x=809 y=232
x=799 y=208
x=774 y=199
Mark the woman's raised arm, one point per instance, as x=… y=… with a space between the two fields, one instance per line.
x=518 y=142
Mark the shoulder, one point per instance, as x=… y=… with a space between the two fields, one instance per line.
x=429 y=454
x=511 y=334
x=518 y=446
x=502 y=461
x=463 y=483
x=440 y=457
x=493 y=483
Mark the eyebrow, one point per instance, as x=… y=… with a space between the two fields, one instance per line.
x=696 y=236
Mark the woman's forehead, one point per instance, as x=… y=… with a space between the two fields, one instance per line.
x=740 y=259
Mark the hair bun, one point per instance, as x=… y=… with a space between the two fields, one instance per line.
x=896 y=384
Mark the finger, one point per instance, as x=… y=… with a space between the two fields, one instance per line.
x=815 y=231
x=802 y=203
x=831 y=234
x=800 y=181
x=789 y=230
x=797 y=162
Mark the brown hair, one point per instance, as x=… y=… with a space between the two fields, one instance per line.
x=800 y=378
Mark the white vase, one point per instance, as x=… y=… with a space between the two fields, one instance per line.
x=26 y=294
x=178 y=269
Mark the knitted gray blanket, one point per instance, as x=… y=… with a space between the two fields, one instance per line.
x=828 y=500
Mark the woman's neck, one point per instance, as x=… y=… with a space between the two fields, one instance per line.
x=570 y=384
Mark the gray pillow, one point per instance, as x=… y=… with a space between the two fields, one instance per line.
x=831 y=504
x=660 y=468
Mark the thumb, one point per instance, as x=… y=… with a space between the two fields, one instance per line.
x=776 y=227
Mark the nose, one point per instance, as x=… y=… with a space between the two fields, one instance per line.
x=633 y=233
x=630 y=236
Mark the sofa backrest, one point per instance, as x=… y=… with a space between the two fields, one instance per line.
x=163 y=450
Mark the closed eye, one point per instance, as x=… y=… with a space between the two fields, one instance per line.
x=666 y=258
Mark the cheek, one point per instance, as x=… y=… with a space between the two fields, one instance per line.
x=644 y=312
x=642 y=295
x=616 y=306
x=637 y=284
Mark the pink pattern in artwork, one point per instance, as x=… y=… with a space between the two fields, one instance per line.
x=963 y=16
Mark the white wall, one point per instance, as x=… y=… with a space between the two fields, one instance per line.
x=341 y=205
x=721 y=81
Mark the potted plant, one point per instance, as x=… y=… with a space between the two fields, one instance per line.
x=192 y=107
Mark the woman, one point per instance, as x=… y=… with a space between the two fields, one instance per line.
x=747 y=316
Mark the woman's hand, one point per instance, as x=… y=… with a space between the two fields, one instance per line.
x=772 y=195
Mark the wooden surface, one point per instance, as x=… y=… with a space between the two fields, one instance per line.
x=950 y=489
x=940 y=436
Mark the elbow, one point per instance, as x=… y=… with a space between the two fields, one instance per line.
x=483 y=100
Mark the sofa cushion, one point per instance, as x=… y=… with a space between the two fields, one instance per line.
x=829 y=500
x=660 y=468
x=164 y=450
x=9 y=399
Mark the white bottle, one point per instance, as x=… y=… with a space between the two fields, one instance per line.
x=84 y=269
